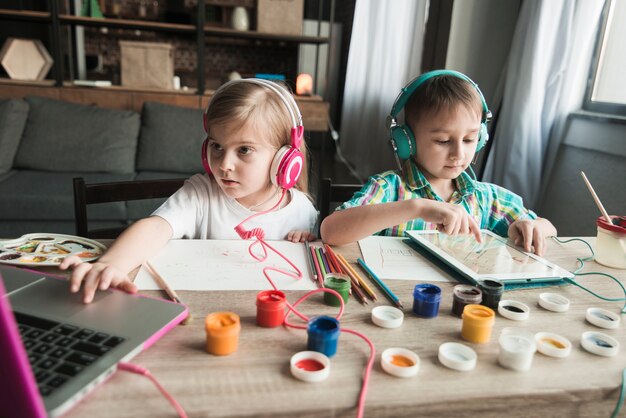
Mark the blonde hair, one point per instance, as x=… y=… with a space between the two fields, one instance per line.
x=261 y=108
x=442 y=91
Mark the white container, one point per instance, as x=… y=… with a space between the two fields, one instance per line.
x=611 y=243
x=517 y=349
x=239 y=19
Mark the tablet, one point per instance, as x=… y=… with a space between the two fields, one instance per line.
x=494 y=258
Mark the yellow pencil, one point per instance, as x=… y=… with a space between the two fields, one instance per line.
x=358 y=278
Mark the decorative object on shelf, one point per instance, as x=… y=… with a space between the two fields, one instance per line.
x=25 y=59
x=280 y=16
x=234 y=75
x=147 y=64
x=304 y=85
x=91 y=8
x=239 y=19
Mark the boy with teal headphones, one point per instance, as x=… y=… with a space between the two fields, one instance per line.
x=446 y=125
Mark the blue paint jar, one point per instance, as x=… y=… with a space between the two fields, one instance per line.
x=426 y=299
x=323 y=333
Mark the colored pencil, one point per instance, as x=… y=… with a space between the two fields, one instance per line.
x=380 y=283
x=310 y=258
x=320 y=261
x=332 y=259
x=352 y=273
x=320 y=276
x=325 y=261
x=171 y=293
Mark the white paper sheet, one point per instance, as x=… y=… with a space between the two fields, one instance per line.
x=391 y=259
x=225 y=265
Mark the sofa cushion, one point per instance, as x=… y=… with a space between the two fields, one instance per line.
x=170 y=139
x=138 y=209
x=13 y=114
x=68 y=137
x=39 y=195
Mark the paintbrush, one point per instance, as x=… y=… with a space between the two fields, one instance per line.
x=603 y=211
x=171 y=293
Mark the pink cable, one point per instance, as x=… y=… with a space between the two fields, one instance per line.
x=259 y=234
x=133 y=368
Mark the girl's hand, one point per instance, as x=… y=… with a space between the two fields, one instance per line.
x=531 y=234
x=92 y=276
x=300 y=236
x=450 y=219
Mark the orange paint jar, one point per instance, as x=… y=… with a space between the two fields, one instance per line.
x=222 y=332
x=478 y=322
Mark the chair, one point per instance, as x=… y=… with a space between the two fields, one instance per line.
x=123 y=191
x=332 y=195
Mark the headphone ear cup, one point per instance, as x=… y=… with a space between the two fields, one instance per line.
x=205 y=156
x=404 y=140
x=286 y=167
x=483 y=137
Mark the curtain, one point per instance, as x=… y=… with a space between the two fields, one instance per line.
x=385 y=54
x=544 y=81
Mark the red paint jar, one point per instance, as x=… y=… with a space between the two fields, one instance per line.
x=270 y=308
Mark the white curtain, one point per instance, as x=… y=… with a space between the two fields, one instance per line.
x=544 y=81
x=385 y=54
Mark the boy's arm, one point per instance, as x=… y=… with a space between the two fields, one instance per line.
x=353 y=224
x=136 y=244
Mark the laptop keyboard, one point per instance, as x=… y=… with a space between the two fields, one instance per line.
x=58 y=352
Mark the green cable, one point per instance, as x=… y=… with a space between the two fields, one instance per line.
x=622 y=392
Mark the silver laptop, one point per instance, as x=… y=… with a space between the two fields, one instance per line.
x=67 y=347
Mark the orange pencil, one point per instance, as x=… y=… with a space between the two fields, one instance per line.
x=332 y=258
x=364 y=285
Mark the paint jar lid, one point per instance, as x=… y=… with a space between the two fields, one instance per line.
x=553 y=345
x=514 y=310
x=603 y=318
x=400 y=362
x=457 y=356
x=599 y=343
x=387 y=316
x=310 y=366
x=553 y=302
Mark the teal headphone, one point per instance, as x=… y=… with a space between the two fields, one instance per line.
x=401 y=137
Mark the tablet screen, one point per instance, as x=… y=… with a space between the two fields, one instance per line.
x=493 y=256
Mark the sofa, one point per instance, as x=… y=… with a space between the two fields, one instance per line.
x=45 y=143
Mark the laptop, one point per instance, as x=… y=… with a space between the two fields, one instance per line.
x=494 y=258
x=55 y=349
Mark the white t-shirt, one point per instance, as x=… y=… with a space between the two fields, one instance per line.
x=201 y=210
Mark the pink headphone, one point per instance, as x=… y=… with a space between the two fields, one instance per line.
x=288 y=161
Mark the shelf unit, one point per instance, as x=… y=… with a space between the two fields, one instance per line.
x=200 y=29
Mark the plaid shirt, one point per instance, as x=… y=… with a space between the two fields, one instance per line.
x=494 y=207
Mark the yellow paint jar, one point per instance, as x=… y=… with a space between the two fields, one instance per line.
x=222 y=332
x=478 y=322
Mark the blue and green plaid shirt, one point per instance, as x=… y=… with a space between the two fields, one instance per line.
x=494 y=207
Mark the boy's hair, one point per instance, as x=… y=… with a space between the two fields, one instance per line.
x=441 y=92
x=264 y=110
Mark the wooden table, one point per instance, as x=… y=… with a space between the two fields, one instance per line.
x=255 y=381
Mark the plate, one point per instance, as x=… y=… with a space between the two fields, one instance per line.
x=43 y=249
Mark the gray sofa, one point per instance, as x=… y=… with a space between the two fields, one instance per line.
x=45 y=143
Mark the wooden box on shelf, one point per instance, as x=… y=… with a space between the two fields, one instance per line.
x=147 y=64
x=280 y=16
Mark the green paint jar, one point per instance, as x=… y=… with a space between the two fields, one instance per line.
x=339 y=283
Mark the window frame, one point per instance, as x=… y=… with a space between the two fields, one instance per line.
x=618 y=109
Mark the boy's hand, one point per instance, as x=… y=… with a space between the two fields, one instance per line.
x=300 y=236
x=531 y=234
x=451 y=219
x=94 y=276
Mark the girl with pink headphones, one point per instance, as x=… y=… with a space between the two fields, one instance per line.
x=255 y=161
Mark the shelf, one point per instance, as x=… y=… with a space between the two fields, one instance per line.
x=158 y=27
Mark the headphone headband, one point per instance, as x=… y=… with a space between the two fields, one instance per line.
x=409 y=89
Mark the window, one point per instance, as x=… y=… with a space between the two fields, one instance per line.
x=606 y=88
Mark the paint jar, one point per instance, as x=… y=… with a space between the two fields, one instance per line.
x=611 y=242
x=340 y=283
x=477 y=323
x=400 y=362
x=517 y=349
x=464 y=294
x=323 y=335
x=426 y=298
x=492 y=292
x=310 y=366
x=270 y=308
x=222 y=332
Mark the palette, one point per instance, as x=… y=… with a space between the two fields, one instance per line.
x=43 y=249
